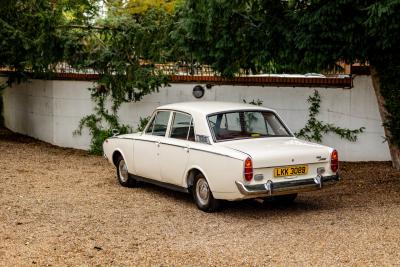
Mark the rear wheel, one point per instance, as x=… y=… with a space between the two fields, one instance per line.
x=124 y=178
x=203 y=196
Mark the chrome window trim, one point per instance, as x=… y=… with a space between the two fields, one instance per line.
x=190 y=125
x=245 y=110
x=171 y=121
x=150 y=121
x=154 y=117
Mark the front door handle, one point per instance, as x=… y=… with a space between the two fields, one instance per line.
x=186 y=149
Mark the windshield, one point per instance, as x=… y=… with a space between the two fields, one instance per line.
x=246 y=124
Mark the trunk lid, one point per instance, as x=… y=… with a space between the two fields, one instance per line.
x=280 y=151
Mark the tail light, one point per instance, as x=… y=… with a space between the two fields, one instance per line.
x=334 y=161
x=248 y=169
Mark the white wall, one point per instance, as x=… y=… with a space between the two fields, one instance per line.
x=51 y=110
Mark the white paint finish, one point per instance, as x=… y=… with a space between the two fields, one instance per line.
x=183 y=92
x=71 y=89
x=170 y=160
x=41 y=126
x=71 y=107
x=130 y=113
x=174 y=155
x=64 y=126
x=65 y=102
x=146 y=156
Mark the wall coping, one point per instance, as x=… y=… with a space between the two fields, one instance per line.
x=334 y=82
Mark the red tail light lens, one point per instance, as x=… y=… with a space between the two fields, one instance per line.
x=248 y=169
x=334 y=161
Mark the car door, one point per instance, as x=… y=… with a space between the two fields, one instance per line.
x=146 y=147
x=174 y=150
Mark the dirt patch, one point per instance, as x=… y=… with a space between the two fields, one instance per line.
x=64 y=207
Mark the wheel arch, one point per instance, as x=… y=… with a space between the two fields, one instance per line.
x=115 y=155
x=191 y=174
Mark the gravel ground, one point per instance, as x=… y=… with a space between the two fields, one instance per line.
x=63 y=207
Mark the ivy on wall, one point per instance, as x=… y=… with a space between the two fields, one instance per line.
x=315 y=129
x=142 y=123
x=123 y=50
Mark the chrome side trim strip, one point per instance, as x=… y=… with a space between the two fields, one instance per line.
x=215 y=153
x=168 y=144
x=149 y=141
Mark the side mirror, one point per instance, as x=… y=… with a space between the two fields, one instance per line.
x=115 y=132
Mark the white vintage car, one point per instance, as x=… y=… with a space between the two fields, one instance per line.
x=221 y=151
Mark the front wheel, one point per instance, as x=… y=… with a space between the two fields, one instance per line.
x=203 y=196
x=123 y=176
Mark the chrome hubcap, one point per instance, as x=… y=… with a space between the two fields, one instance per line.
x=123 y=171
x=202 y=191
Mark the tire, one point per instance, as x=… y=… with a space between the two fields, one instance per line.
x=282 y=200
x=202 y=195
x=123 y=176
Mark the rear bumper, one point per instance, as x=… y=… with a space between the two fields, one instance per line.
x=286 y=187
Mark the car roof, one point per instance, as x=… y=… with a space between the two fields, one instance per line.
x=209 y=107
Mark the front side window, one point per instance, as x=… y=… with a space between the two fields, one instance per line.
x=182 y=127
x=158 y=126
x=246 y=124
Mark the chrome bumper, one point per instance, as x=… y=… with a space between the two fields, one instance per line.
x=286 y=187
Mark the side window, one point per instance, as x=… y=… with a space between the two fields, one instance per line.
x=159 y=124
x=149 y=129
x=273 y=125
x=181 y=126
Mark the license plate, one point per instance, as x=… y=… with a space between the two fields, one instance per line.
x=291 y=171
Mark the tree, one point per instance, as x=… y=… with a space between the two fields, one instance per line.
x=233 y=35
x=122 y=47
x=123 y=50
x=28 y=34
x=139 y=6
x=32 y=32
x=302 y=35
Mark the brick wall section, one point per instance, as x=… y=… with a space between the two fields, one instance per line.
x=336 y=82
x=276 y=81
x=263 y=81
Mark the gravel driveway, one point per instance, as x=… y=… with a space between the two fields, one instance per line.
x=64 y=207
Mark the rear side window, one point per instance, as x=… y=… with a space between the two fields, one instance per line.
x=159 y=124
x=182 y=127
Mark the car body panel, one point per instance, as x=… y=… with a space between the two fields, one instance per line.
x=170 y=161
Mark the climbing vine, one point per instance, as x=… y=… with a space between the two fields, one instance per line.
x=142 y=123
x=315 y=129
x=123 y=51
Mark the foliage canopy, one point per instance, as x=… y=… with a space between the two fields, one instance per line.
x=301 y=35
x=230 y=35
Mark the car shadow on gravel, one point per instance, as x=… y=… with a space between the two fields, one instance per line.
x=166 y=193
x=244 y=207
x=259 y=206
